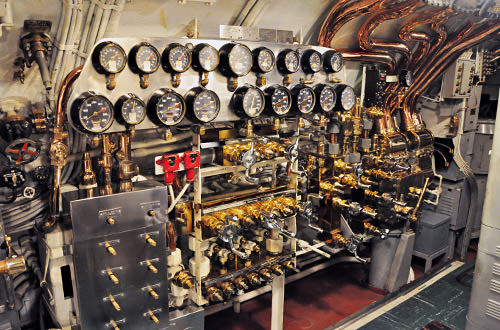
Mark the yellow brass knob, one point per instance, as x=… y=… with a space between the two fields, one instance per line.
x=153 y=317
x=111 y=250
x=112 y=277
x=150 y=240
x=114 y=303
x=114 y=325
x=153 y=293
x=110 y=220
x=151 y=267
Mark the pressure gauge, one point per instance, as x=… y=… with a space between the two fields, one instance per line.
x=92 y=113
x=312 y=61
x=304 y=98
x=204 y=104
x=333 y=61
x=166 y=107
x=176 y=58
x=278 y=100
x=236 y=60
x=405 y=78
x=248 y=101
x=346 y=98
x=288 y=61
x=109 y=59
x=263 y=60
x=326 y=96
x=144 y=59
x=130 y=109
x=205 y=58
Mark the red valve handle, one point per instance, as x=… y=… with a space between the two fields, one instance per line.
x=170 y=164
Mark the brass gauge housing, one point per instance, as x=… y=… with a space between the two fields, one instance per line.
x=176 y=59
x=287 y=63
x=203 y=104
x=278 y=100
x=235 y=61
x=205 y=59
x=333 y=61
x=263 y=62
x=144 y=59
x=109 y=58
x=130 y=110
x=92 y=113
x=311 y=61
x=166 y=107
x=248 y=101
x=304 y=99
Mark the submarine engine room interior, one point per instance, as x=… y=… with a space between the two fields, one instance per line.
x=249 y=164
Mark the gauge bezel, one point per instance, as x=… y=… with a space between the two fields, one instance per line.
x=120 y=103
x=281 y=64
x=152 y=107
x=191 y=97
x=133 y=58
x=165 y=58
x=305 y=61
x=318 y=89
x=295 y=98
x=225 y=66
x=75 y=112
x=256 y=63
x=238 y=98
x=196 y=64
x=269 y=92
x=339 y=89
x=327 y=61
x=96 y=58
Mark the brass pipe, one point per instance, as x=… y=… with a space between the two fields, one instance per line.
x=59 y=148
x=332 y=14
x=362 y=56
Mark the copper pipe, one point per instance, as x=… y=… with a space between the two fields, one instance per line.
x=332 y=14
x=362 y=56
x=59 y=148
x=399 y=10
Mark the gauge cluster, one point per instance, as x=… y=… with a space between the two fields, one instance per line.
x=132 y=83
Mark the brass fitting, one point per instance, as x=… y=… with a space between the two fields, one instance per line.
x=228 y=289
x=151 y=267
x=241 y=283
x=184 y=279
x=152 y=316
x=153 y=293
x=12 y=265
x=277 y=269
x=214 y=295
x=112 y=277
x=253 y=279
x=338 y=238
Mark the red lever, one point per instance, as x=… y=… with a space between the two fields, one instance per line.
x=170 y=164
x=191 y=160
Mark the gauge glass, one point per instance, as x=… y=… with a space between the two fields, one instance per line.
x=133 y=111
x=253 y=102
x=179 y=58
x=112 y=58
x=305 y=100
x=348 y=98
x=206 y=106
x=280 y=101
x=315 y=61
x=292 y=61
x=208 y=58
x=240 y=60
x=327 y=99
x=266 y=60
x=170 y=108
x=95 y=114
x=147 y=59
x=336 y=62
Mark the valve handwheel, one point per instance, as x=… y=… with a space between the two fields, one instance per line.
x=23 y=151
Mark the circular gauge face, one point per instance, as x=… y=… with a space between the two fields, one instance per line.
x=315 y=61
x=112 y=58
x=292 y=61
x=240 y=60
x=95 y=114
x=347 y=98
x=147 y=59
x=253 y=102
x=206 y=106
x=208 y=58
x=306 y=100
x=327 y=98
x=179 y=58
x=133 y=111
x=281 y=101
x=336 y=62
x=265 y=60
x=170 y=108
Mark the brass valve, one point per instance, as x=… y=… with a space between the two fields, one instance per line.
x=245 y=219
x=184 y=279
x=150 y=240
x=153 y=293
x=228 y=289
x=374 y=112
x=253 y=279
x=214 y=294
x=265 y=274
x=114 y=302
x=372 y=229
x=112 y=277
x=153 y=317
x=328 y=186
x=288 y=265
x=12 y=265
x=338 y=238
x=111 y=250
x=277 y=269
x=110 y=221
x=151 y=267
x=378 y=174
x=241 y=283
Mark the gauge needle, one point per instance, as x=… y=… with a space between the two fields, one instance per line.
x=97 y=112
x=253 y=101
x=112 y=57
x=307 y=99
x=171 y=107
x=206 y=105
x=151 y=57
x=279 y=101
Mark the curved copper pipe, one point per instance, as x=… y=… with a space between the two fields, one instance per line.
x=362 y=56
x=397 y=11
x=332 y=14
x=59 y=148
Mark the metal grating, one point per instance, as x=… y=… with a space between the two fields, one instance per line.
x=496 y=269
x=497 y=251
x=495 y=286
x=493 y=309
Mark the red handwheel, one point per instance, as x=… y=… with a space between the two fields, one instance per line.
x=22 y=151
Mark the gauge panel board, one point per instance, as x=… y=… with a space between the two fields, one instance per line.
x=126 y=80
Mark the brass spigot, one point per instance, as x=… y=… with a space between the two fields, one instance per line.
x=111 y=250
x=12 y=265
x=228 y=289
x=241 y=283
x=88 y=179
x=114 y=324
x=184 y=279
x=112 y=277
x=153 y=293
x=265 y=274
x=152 y=316
x=277 y=269
x=150 y=240
x=113 y=302
x=253 y=279
x=151 y=267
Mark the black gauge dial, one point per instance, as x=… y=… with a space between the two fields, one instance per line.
x=130 y=109
x=264 y=60
x=236 y=60
x=166 y=107
x=279 y=100
x=203 y=103
x=326 y=96
x=333 y=61
x=176 y=58
x=144 y=58
x=346 y=98
x=92 y=113
x=288 y=61
x=304 y=98
x=109 y=58
x=205 y=58
x=312 y=61
x=405 y=78
x=248 y=101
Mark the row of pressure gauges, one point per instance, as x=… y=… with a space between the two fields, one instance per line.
x=250 y=101
x=233 y=60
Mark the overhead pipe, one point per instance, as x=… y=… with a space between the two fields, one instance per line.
x=363 y=56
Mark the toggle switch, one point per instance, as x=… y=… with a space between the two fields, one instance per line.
x=111 y=250
x=114 y=303
x=153 y=293
x=153 y=317
x=151 y=267
x=112 y=277
x=114 y=325
x=150 y=240
x=110 y=221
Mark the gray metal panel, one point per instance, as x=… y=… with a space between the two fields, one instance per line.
x=190 y=318
x=432 y=235
x=454 y=202
x=483 y=142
